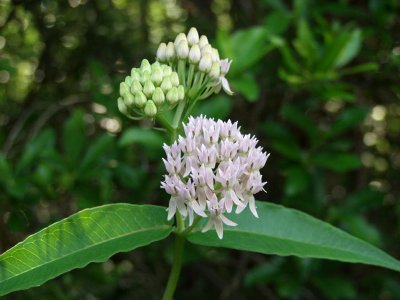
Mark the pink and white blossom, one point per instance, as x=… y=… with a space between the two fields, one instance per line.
x=212 y=170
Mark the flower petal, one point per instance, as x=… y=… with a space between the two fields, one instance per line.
x=227 y=221
x=252 y=205
x=225 y=86
x=171 y=208
x=197 y=209
x=219 y=228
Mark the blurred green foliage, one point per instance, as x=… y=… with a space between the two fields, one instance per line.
x=317 y=81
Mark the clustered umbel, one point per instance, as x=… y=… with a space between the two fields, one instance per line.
x=211 y=170
x=198 y=64
x=150 y=89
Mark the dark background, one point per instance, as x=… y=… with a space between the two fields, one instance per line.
x=318 y=82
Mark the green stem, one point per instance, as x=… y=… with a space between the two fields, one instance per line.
x=190 y=76
x=182 y=71
x=176 y=268
x=178 y=255
x=164 y=122
x=176 y=121
x=189 y=229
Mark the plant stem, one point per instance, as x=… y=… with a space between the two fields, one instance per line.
x=178 y=254
x=164 y=122
x=176 y=268
x=176 y=121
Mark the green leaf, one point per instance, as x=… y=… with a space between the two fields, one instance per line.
x=305 y=43
x=142 y=136
x=74 y=136
x=284 y=231
x=338 y=162
x=277 y=22
x=247 y=86
x=300 y=119
x=363 y=68
x=297 y=180
x=282 y=140
x=249 y=46
x=38 y=147
x=335 y=287
x=91 y=235
x=349 y=118
x=361 y=228
x=218 y=107
x=342 y=48
x=264 y=273
x=350 y=49
x=95 y=151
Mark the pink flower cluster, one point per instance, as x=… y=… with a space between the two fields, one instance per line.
x=211 y=170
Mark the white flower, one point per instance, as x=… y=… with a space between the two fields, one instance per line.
x=213 y=169
x=193 y=54
x=225 y=65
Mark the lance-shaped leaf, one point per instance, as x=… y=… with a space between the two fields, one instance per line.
x=284 y=231
x=91 y=235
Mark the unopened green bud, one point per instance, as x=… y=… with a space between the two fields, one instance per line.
x=170 y=52
x=179 y=38
x=135 y=75
x=206 y=49
x=148 y=88
x=181 y=92
x=167 y=70
x=174 y=79
x=123 y=88
x=194 y=54
x=217 y=89
x=145 y=76
x=157 y=76
x=166 y=84
x=128 y=99
x=172 y=96
x=150 y=109
x=203 y=41
x=140 y=100
x=182 y=51
x=145 y=65
x=215 y=70
x=121 y=106
x=205 y=63
x=158 y=96
x=136 y=86
x=156 y=67
x=161 y=52
x=193 y=36
x=214 y=54
x=128 y=80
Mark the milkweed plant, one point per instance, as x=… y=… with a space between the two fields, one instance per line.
x=212 y=174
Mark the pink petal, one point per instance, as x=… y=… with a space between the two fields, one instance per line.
x=171 y=208
x=219 y=228
x=197 y=209
x=208 y=226
x=252 y=205
x=227 y=221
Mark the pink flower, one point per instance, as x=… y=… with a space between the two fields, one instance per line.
x=212 y=170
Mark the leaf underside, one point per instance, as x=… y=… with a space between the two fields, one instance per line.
x=284 y=231
x=91 y=235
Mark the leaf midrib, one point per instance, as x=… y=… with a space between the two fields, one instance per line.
x=310 y=244
x=86 y=248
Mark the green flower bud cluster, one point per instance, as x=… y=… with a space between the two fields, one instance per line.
x=197 y=63
x=150 y=90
